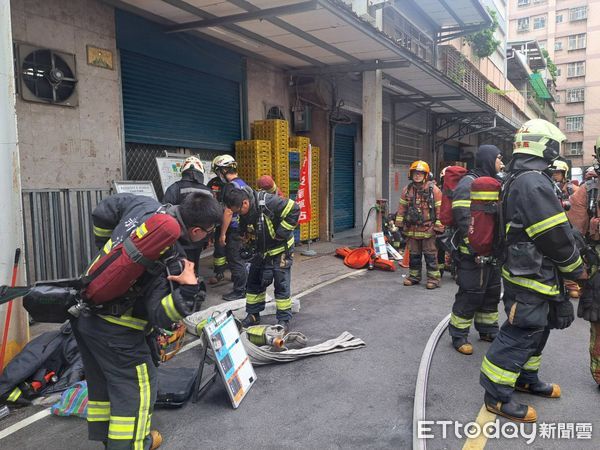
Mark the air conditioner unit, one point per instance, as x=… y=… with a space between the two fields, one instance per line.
x=46 y=76
x=575 y=152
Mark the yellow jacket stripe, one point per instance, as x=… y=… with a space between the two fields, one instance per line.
x=528 y=283
x=102 y=232
x=14 y=395
x=98 y=411
x=403 y=202
x=546 y=224
x=461 y=204
x=287 y=209
x=571 y=267
x=287 y=226
x=498 y=374
x=126 y=321
x=121 y=428
x=170 y=310
x=144 y=409
x=484 y=195
x=281 y=248
x=270 y=227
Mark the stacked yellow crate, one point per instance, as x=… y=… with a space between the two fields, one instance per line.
x=254 y=159
x=276 y=131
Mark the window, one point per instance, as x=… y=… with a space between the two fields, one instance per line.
x=523 y=3
x=559 y=18
x=558 y=71
x=523 y=24
x=557 y=97
x=557 y=45
x=575 y=95
x=539 y=22
x=576 y=69
x=579 y=13
x=575 y=149
x=539 y=2
x=575 y=123
x=542 y=44
x=577 y=41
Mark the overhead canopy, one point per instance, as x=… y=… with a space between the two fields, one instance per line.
x=539 y=86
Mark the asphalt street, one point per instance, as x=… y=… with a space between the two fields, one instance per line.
x=357 y=399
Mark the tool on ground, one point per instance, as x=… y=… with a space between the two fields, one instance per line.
x=13 y=282
x=272 y=335
x=4 y=411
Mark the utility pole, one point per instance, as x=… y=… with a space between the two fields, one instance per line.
x=11 y=217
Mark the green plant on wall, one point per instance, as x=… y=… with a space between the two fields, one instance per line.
x=483 y=42
x=549 y=63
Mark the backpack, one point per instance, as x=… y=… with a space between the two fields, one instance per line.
x=110 y=276
x=485 y=193
x=452 y=177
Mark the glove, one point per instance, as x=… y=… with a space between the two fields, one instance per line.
x=192 y=296
x=589 y=303
x=561 y=314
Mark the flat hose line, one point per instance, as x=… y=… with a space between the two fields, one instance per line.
x=422 y=377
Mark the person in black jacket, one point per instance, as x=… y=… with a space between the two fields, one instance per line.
x=270 y=220
x=118 y=362
x=478 y=279
x=539 y=252
x=192 y=180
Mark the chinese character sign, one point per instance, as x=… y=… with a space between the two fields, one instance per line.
x=303 y=196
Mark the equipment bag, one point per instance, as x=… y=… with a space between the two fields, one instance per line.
x=111 y=275
x=485 y=193
x=451 y=179
x=175 y=386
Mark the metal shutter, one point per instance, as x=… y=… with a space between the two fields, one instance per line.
x=343 y=178
x=167 y=104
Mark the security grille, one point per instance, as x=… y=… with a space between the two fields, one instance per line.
x=408 y=145
x=141 y=161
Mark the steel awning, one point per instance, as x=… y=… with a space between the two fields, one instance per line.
x=319 y=36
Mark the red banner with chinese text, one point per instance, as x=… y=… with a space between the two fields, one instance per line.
x=303 y=196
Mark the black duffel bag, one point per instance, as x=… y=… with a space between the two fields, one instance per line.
x=50 y=301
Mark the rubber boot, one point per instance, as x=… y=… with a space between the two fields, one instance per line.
x=462 y=345
x=250 y=320
x=216 y=279
x=548 y=390
x=156 y=439
x=233 y=295
x=487 y=337
x=432 y=284
x=409 y=281
x=512 y=410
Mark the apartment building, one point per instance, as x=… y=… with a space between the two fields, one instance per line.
x=570 y=31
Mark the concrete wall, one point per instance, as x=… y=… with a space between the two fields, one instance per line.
x=267 y=86
x=63 y=147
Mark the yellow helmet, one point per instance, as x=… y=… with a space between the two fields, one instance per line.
x=540 y=138
x=420 y=166
x=222 y=162
x=559 y=165
x=192 y=163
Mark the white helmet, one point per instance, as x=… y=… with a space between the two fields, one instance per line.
x=192 y=163
x=223 y=161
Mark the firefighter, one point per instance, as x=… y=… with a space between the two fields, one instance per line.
x=540 y=252
x=225 y=167
x=271 y=221
x=585 y=217
x=118 y=362
x=560 y=170
x=192 y=180
x=219 y=258
x=418 y=219
x=478 y=278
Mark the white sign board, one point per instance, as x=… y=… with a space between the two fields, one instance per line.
x=231 y=358
x=135 y=187
x=169 y=170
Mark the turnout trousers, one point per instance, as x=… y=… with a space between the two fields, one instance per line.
x=595 y=350
x=219 y=255
x=419 y=248
x=237 y=265
x=477 y=298
x=122 y=382
x=264 y=271
x=515 y=355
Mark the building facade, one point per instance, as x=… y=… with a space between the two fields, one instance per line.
x=569 y=31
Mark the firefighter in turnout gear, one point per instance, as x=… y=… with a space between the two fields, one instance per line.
x=118 y=362
x=539 y=252
x=585 y=217
x=560 y=171
x=270 y=220
x=418 y=219
x=478 y=278
x=229 y=238
x=219 y=257
x=192 y=180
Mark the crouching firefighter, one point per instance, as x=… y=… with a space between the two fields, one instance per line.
x=477 y=276
x=271 y=220
x=112 y=336
x=539 y=252
x=418 y=219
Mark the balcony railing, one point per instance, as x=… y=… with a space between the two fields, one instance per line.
x=460 y=70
